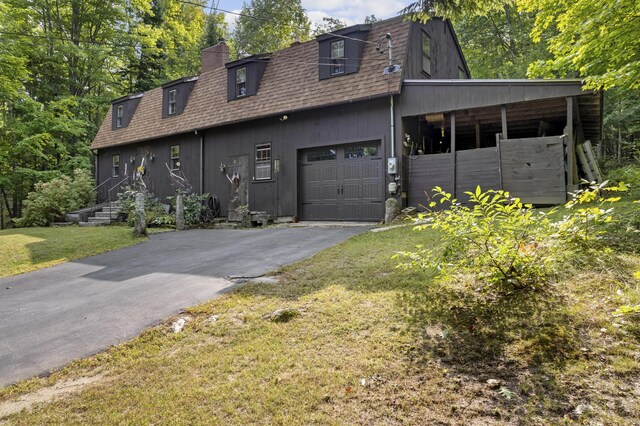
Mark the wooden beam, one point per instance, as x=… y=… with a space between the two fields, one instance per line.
x=503 y=114
x=453 y=152
x=571 y=149
x=478 y=134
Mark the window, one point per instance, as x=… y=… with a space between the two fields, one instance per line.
x=241 y=82
x=115 y=165
x=359 y=151
x=172 y=102
x=337 y=57
x=426 y=54
x=175 y=157
x=322 y=155
x=263 y=161
x=119 y=115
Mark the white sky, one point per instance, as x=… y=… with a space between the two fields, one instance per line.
x=350 y=11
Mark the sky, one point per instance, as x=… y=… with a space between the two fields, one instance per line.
x=350 y=11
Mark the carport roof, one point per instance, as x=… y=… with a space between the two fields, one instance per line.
x=526 y=97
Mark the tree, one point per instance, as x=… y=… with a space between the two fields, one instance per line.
x=269 y=25
x=329 y=25
x=215 y=29
x=498 y=44
x=599 y=40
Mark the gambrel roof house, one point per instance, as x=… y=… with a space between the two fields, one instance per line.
x=326 y=130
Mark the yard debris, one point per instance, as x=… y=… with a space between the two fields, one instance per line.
x=178 y=325
x=494 y=383
x=582 y=409
x=283 y=315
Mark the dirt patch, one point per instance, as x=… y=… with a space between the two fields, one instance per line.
x=46 y=395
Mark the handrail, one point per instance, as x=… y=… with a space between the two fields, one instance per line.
x=97 y=187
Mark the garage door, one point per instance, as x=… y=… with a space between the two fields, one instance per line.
x=344 y=182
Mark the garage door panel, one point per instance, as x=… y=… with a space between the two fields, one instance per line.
x=343 y=187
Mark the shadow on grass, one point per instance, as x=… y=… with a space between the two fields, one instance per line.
x=523 y=338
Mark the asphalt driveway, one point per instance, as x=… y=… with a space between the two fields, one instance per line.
x=53 y=316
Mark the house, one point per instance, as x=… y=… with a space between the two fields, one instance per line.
x=330 y=128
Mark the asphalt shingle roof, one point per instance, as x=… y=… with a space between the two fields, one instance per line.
x=290 y=82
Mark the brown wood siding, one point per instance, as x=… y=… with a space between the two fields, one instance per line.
x=426 y=172
x=476 y=167
x=446 y=58
x=533 y=169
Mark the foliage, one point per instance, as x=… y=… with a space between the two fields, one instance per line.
x=268 y=25
x=55 y=198
x=621 y=126
x=599 y=40
x=498 y=44
x=506 y=244
x=215 y=29
x=425 y=9
x=328 y=25
x=193 y=207
x=156 y=213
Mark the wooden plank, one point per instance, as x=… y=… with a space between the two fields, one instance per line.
x=592 y=160
x=503 y=115
x=582 y=158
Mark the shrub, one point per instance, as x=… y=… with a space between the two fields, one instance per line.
x=506 y=244
x=193 y=207
x=154 y=209
x=53 y=199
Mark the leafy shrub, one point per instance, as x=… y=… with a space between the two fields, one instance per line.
x=193 y=207
x=157 y=213
x=506 y=244
x=153 y=208
x=53 y=199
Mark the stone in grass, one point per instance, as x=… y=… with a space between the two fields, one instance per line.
x=178 y=325
x=494 y=383
x=283 y=315
x=583 y=409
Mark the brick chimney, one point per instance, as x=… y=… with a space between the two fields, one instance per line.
x=215 y=57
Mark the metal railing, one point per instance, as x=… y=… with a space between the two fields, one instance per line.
x=107 y=192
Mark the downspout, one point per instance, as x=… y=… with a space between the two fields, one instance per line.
x=202 y=163
x=391 y=107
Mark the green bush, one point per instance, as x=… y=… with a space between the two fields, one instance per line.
x=51 y=200
x=505 y=244
x=156 y=213
x=193 y=207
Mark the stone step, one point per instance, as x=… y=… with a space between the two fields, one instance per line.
x=106 y=215
x=105 y=221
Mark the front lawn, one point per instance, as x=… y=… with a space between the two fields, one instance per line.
x=371 y=345
x=28 y=249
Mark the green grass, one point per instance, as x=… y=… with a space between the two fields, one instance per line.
x=359 y=353
x=28 y=249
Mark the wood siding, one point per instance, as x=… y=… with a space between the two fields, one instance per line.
x=476 y=167
x=533 y=169
x=446 y=58
x=426 y=172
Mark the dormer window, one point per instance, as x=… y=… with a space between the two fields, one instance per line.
x=340 y=52
x=172 y=102
x=119 y=116
x=337 y=57
x=122 y=110
x=426 y=54
x=244 y=75
x=241 y=82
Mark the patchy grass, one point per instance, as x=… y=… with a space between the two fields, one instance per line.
x=29 y=249
x=362 y=351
